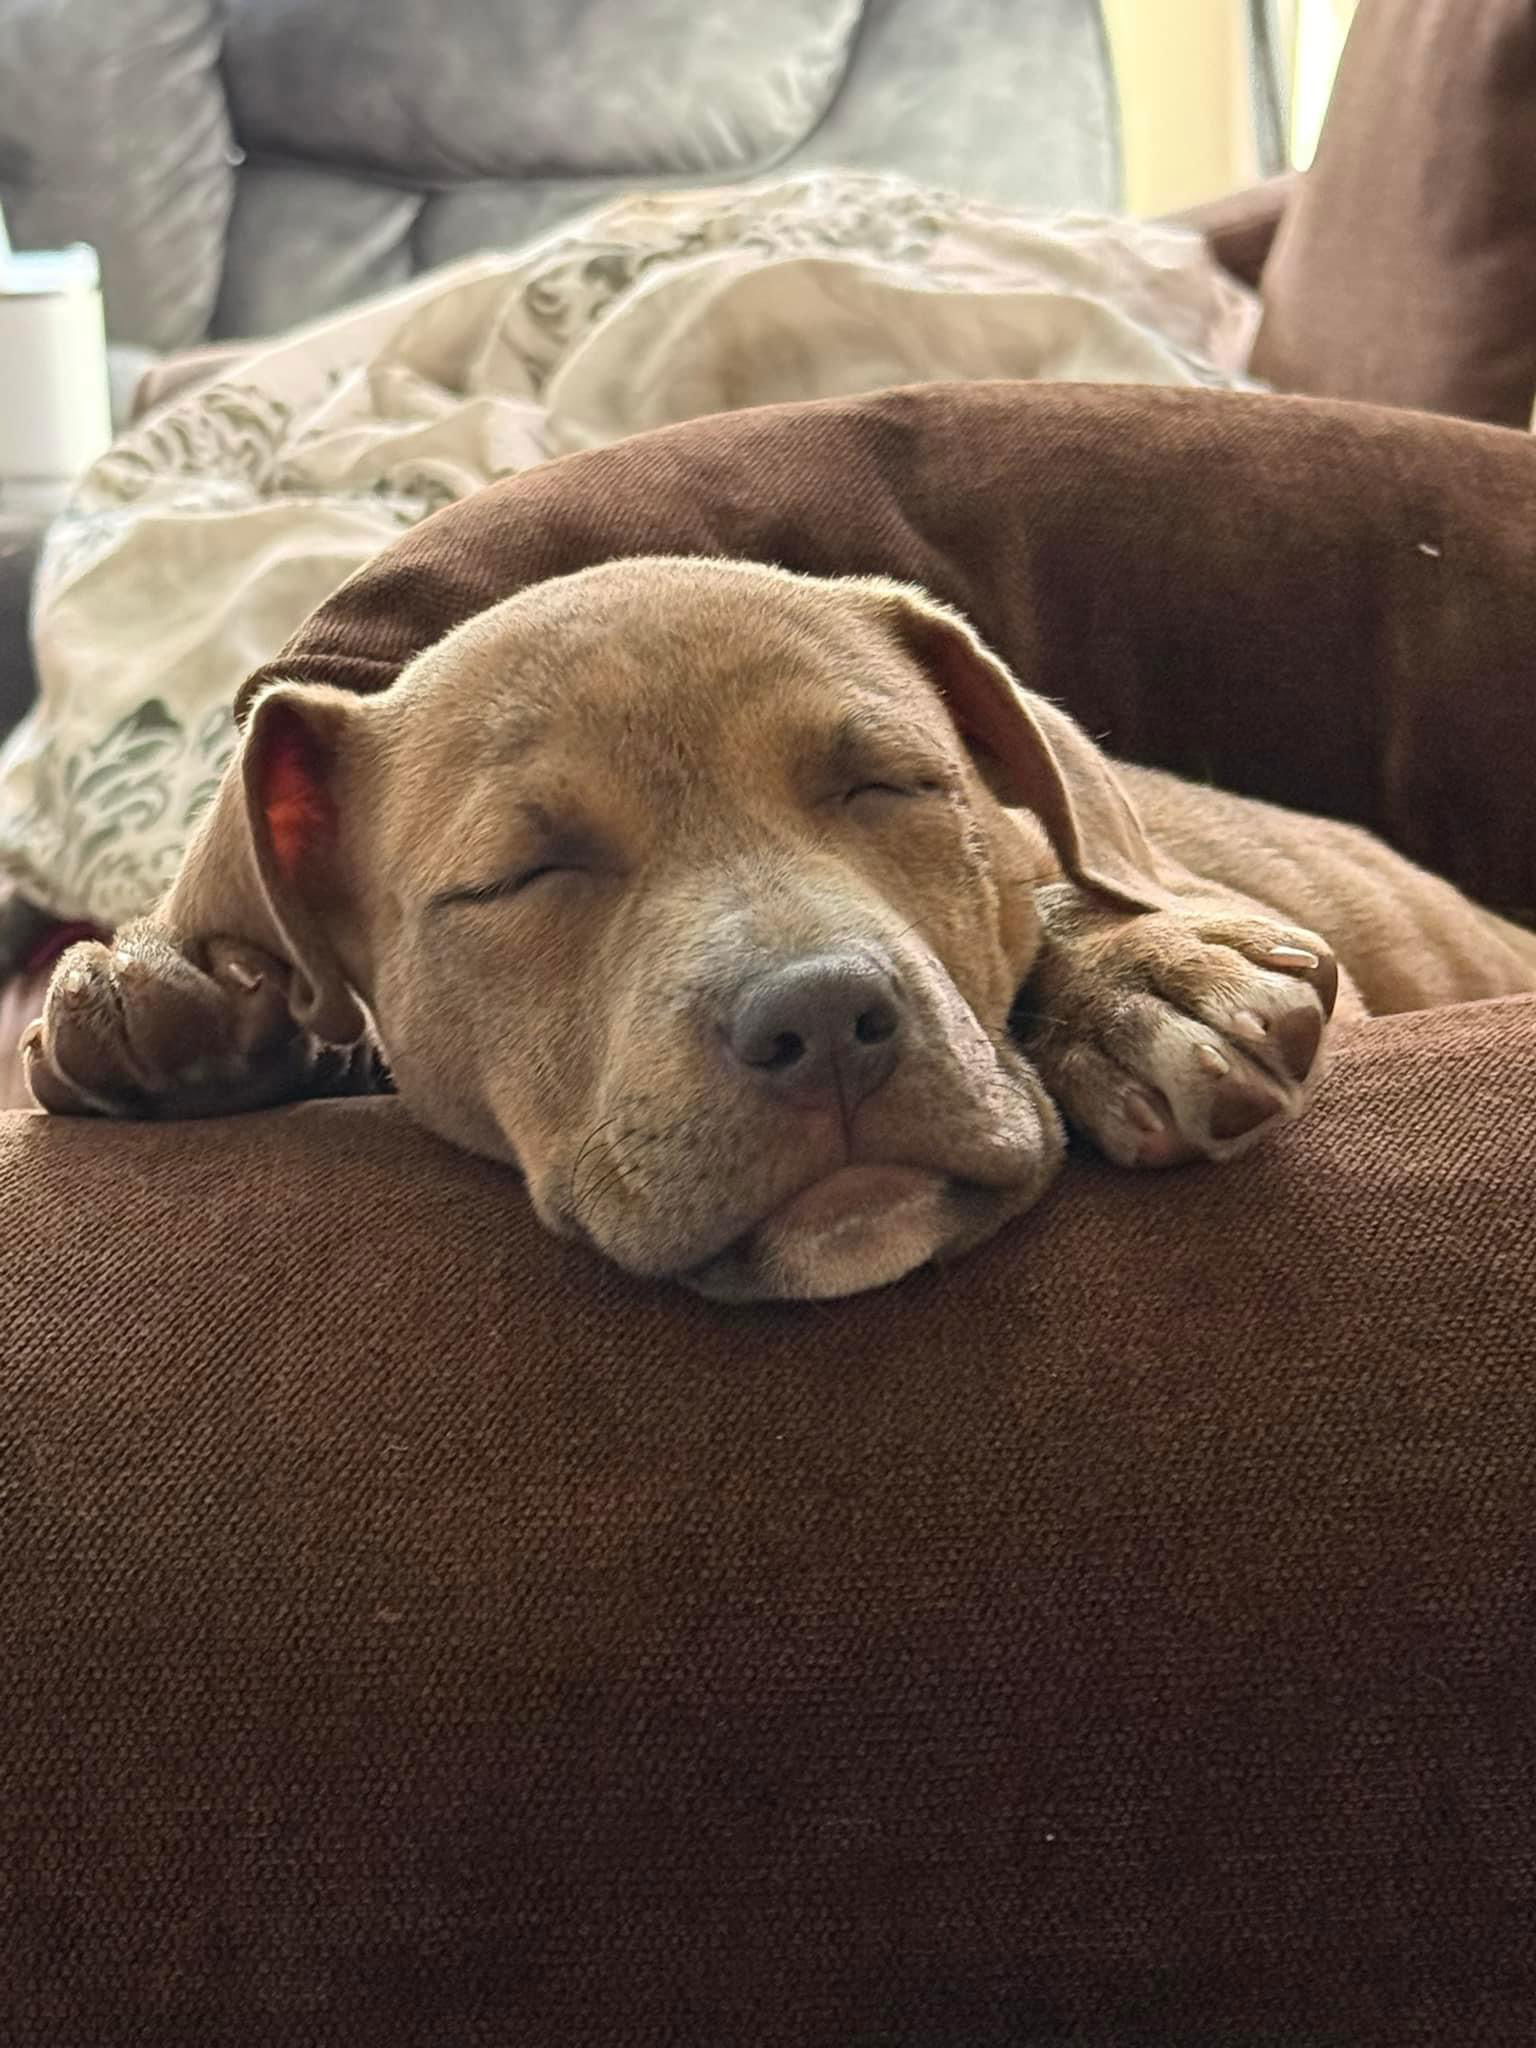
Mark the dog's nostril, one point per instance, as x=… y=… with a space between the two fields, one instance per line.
x=875 y=1026
x=784 y=1051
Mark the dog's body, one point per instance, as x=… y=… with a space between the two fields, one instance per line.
x=705 y=894
x=1406 y=939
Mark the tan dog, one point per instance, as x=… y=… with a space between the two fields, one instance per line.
x=704 y=894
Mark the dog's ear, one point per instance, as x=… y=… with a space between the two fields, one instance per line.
x=1031 y=753
x=297 y=743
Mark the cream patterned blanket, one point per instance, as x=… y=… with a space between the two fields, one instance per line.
x=195 y=547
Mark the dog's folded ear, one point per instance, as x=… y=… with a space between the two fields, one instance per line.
x=1032 y=754
x=293 y=765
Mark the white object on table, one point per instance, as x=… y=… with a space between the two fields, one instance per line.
x=55 y=413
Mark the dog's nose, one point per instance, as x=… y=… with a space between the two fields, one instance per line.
x=822 y=1030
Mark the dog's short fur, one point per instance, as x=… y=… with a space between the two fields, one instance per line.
x=705 y=894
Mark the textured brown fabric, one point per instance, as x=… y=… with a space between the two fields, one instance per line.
x=1239 y=227
x=1405 y=269
x=422 y=1634
x=1329 y=605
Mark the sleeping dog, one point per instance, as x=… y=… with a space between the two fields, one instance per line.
x=764 y=922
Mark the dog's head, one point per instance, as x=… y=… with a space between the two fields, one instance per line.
x=691 y=888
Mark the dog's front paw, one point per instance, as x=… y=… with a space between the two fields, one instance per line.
x=138 y=1029
x=1180 y=1035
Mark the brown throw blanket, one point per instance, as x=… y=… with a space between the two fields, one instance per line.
x=1189 y=572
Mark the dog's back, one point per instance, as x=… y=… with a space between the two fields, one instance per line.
x=1409 y=940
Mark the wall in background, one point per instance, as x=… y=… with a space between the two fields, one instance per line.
x=1186 y=105
x=1312 y=33
x=1185 y=116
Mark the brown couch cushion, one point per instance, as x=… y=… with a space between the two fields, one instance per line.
x=1329 y=605
x=1405 y=269
x=416 y=1632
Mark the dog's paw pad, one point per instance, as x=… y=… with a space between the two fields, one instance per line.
x=1218 y=1022
x=1236 y=1110
x=140 y=1029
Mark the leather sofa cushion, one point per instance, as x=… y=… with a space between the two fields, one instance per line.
x=540 y=87
x=114 y=131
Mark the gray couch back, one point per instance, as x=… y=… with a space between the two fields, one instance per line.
x=245 y=164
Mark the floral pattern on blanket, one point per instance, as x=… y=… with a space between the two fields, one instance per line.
x=209 y=531
x=124 y=806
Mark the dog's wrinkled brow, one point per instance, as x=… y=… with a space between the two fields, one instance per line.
x=861 y=741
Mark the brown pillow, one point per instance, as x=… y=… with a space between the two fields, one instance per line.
x=416 y=1632
x=1326 y=605
x=1405 y=269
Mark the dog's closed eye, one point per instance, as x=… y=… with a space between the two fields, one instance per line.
x=552 y=847
x=904 y=791
x=503 y=886
x=865 y=759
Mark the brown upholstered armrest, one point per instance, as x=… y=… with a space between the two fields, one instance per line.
x=1240 y=226
x=417 y=1630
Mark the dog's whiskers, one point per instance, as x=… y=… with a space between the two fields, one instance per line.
x=611 y=1167
x=1037 y=1017
x=621 y=1157
x=590 y=1140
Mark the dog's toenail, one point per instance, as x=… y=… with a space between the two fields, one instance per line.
x=74 y=982
x=242 y=977
x=1213 y=1061
x=1299 y=1037
x=1249 y=1024
x=1142 y=1113
x=1295 y=957
x=1326 y=983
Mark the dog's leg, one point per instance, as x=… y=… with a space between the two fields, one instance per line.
x=1178 y=1034
x=1406 y=938
x=157 y=1025
x=185 y=1013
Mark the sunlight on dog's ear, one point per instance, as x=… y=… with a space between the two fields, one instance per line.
x=295 y=743
x=1032 y=755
